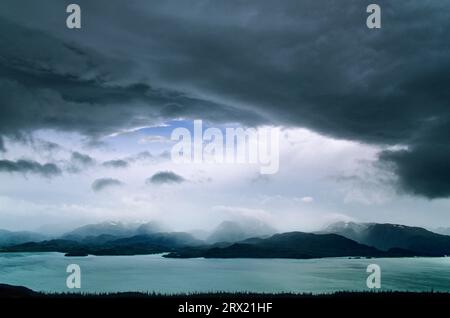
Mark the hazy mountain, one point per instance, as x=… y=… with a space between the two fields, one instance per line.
x=286 y=245
x=8 y=238
x=200 y=234
x=116 y=229
x=233 y=231
x=109 y=228
x=150 y=228
x=170 y=240
x=98 y=240
x=387 y=236
x=55 y=230
x=339 y=239
x=110 y=245
x=352 y=230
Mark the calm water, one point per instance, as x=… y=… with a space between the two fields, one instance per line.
x=47 y=272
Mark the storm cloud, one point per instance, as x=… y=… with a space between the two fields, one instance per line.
x=82 y=159
x=164 y=177
x=2 y=145
x=118 y=163
x=104 y=183
x=306 y=64
x=30 y=166
x=79 y=162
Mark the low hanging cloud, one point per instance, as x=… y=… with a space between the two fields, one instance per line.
x=30 y=166
x=118 y=163
x=105 y=183
x=165 y=177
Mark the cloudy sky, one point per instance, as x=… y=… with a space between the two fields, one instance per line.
x=86 y=115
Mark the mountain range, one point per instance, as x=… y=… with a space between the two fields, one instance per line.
x=8 y=238
x=233 y=240
x=116 y=229
x=387 y=236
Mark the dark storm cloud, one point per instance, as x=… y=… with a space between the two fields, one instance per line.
x=82 y=159
x=423 y=168
x=103 y=183
x=2 y=145
x=309 y=63
x=30 y=166
x=164 y=177
x=49 y=83
x=79 y=162
x=119 y=163
x=48 y=146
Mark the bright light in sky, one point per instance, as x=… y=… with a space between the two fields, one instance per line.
x=320 y=180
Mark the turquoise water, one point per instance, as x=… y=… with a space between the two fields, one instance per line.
x=47 y=272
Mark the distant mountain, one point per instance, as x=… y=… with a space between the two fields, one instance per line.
x=286 y=245
x=54 y=229
x=111 y=245
x=351 y=230
x=8 y=238
x=339 y=239
x=116 y=229
x=150 y=228
x=97 y=240
x=200 y=234
x=173 y=239
x=229 y=231
x=387 y=236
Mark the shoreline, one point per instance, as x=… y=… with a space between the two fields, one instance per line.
x=16 y=291
x=164 y=255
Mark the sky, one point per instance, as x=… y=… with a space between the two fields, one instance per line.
x=86 y=114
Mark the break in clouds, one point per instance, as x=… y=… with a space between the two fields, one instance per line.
x=250 y=63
